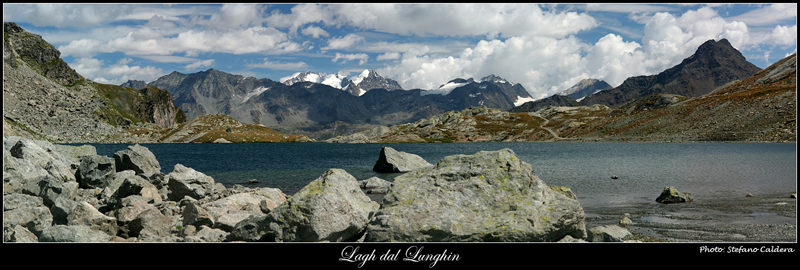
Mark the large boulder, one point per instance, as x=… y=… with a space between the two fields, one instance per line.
x=35 y=155
x=393 y=161
x=331 y=208
x=672 y=195
x=488 y=196
x=184 y=181
x=137 y=158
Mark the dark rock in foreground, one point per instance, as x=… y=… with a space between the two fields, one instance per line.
x=489 y=196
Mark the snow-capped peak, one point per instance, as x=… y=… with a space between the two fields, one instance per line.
x=360 y=77
x=332 y=80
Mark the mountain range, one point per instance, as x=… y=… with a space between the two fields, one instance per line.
x=317 y=105
x=761 y=107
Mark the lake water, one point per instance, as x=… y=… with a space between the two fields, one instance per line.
x=707 y=170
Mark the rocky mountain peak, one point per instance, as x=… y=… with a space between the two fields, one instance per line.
x=494 y=78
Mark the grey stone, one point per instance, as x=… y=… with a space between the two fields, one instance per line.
x=672 y=195
x=150 y=222
x=331 y=208
x=485 y=197
x=35 y=219
x=74 y=234
x=137 y=158
x=607 y=233
x=184 y=181
x=96 y=172
x=392 y=161
x=86 y=214
x=18 y=234
x=196 y=215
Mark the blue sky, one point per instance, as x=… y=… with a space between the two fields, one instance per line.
x=545 y=47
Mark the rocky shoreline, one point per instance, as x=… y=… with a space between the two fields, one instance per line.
x=58 y=193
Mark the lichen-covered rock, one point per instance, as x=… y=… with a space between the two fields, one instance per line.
x=672 y=195
x=392 y=161
x=331 y=208
x=488 y=196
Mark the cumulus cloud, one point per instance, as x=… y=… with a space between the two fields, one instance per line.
x=388 y=56
x=361 y=57
x=249 y=40
x=315 y=32
x=547 y=65
x=343 y=42
x=116 y=73
x=200 y=64
x=461 y=19
x=61 y=15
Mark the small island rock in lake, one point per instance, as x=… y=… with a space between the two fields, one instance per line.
x=393 y=161
x=672 y=195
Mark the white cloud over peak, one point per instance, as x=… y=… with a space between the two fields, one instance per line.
x=361 y=57
x=343 y=42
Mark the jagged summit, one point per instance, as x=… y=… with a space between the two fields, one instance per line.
x=357 y=85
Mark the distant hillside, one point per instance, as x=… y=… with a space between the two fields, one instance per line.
x=762 y=107
x=319 y=110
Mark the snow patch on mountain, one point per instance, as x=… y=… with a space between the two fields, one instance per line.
x=444 y=89
x=522 y=100
x=255 y=92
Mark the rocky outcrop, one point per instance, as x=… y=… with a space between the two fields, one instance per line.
x=393 y=161
x=672 y=195
x=488 y=196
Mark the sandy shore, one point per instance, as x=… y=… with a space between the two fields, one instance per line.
x=766 y=218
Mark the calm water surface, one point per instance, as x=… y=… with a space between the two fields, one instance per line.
x=707 y=170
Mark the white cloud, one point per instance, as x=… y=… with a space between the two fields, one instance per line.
x=280 y=66
x=61 y=15
x=315 y=32
x=388 y=56
x=771 y=14
x=343 y=42
x=456 y=20
x=200 y=64
x=116 y=73
x=250 y=40
x=361 y=57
